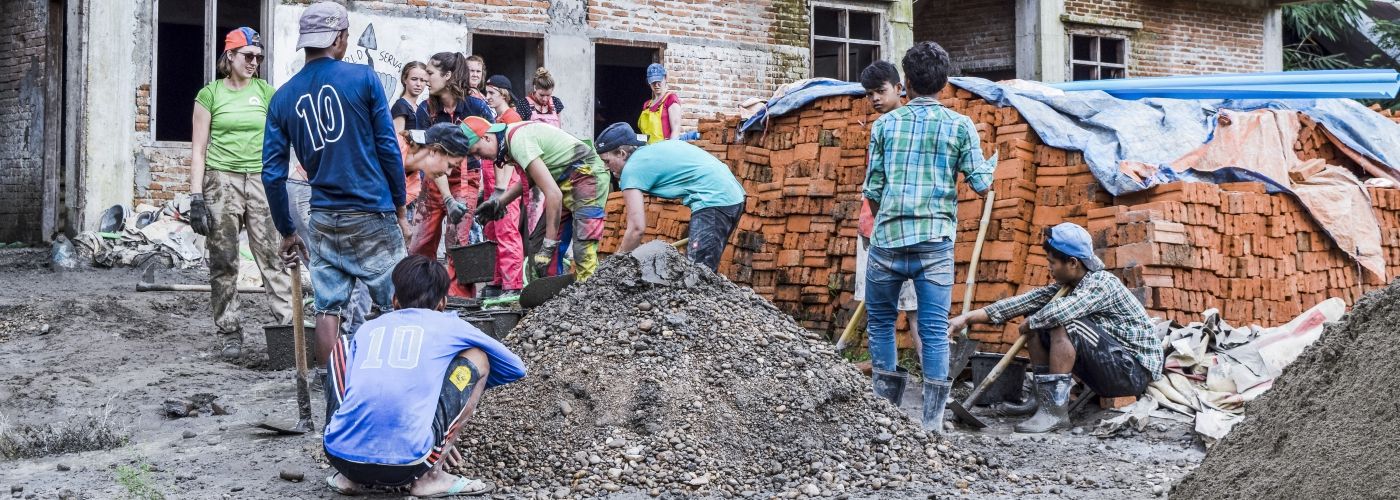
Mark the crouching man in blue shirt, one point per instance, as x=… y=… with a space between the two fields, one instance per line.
x=400 y=390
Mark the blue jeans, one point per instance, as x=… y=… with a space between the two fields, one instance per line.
x=300 y=199
x=930 y=266
x=351 y=246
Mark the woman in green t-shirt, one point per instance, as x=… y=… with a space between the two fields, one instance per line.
x=226 y=189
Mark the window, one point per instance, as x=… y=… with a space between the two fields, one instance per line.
x=1098 y=57
x=184 y=63
x=844 y=42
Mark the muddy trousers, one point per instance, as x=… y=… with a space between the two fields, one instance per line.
x=510 y=245
x=237 y=203
x=431 y=217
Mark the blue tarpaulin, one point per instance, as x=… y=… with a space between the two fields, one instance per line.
x=1324 y=84
x=1109 y=130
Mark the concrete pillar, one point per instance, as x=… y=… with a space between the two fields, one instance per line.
x=570 y=58
x=108 y=108
x=1273 y=40
x=901 y=16
x=1040 y=41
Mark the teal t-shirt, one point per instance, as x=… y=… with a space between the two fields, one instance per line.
x=237 y=118
x=677 y=169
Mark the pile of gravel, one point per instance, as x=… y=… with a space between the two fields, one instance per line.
x=661 y=377
x=1328 y=427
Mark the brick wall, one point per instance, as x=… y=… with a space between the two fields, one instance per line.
x=23 y=32
x=1182 y=38
x=980 y=35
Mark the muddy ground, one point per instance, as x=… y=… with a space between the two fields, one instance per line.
x=86 y=361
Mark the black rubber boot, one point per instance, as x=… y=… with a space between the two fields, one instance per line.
x=889 y=385
x=935 y=400
x=1053 y=414
x=1030 y=402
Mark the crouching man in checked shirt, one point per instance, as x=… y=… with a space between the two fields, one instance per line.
x=1098 y=331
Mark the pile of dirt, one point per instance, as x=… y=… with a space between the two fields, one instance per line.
x=661 y=377
x=1328 y=427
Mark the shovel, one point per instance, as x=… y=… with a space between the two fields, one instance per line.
x=304 y=423
x=960 y=409
x=962 y=351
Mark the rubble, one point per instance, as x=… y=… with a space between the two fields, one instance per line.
x=677 y=381
x=1327 y=428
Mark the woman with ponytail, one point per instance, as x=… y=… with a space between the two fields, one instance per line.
x=540 y=105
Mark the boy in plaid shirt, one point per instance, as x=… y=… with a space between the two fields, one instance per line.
x=916 y=154
x=1098 y=331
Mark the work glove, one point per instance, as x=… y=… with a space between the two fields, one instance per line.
x=540 y=261
x=200 y=220
x=456 y=210
x=492 y=209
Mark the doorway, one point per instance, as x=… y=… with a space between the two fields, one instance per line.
x=515 y=57
x=620 y=87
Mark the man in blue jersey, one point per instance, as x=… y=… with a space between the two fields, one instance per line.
x=674 y=169
x=335 y=116
x=400 y=390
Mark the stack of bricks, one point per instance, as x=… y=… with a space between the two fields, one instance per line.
x=1181 y=248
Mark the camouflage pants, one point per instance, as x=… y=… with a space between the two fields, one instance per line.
x=237 y=203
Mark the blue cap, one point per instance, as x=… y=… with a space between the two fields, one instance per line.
x=1074 y=241
x=617 y=134
x=655 y=73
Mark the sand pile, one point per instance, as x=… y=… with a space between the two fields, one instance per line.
x=690 y=385
x=1329 y=426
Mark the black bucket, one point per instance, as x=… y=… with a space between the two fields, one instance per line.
x=281 y=354
x=504 y=320
x=1007 y=387
x=474 y=263
x=484 y=322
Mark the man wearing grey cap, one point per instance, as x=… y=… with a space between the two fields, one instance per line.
x=1098 y=331
x=336 y=117
x=675 y=170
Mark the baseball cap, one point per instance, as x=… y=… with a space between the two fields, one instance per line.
x=655 y=73
x=475 y=127
x=241 y=37
x=1074 y=241
x=501 y=82
x=321 y=23
x=617 y=135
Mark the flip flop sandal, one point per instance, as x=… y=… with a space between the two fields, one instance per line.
x=466 y=487
x=330 y=483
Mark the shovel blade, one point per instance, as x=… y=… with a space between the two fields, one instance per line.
x=540 y=290
x=961 y=352
x=302 y=427
x=966 y=417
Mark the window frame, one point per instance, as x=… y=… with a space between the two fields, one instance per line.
x=1097 y=65
x=211 y=43
x=881 y=43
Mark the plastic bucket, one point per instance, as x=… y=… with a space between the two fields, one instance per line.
x=474 y=263
x=281 y=354
x=503 y=321
x=484 y=322
x=1007 y=387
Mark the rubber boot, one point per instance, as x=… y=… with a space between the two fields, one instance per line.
x=1053 y=414
x=935 y=400
x=1031 y=402
x=889 y=385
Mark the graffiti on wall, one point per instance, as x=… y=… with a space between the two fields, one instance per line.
x=384 y=43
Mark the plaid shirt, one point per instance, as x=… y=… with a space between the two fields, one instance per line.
x=916 y=152
x=1098 y=298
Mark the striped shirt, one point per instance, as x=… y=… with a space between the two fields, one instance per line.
x=916 y=152
x=1098 y=298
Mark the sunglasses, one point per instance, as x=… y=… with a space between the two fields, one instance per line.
x=251 y=57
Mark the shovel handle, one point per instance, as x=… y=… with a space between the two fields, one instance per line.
x=849 y=334
x=1005 y=360
x=977 y=254
x=299 y=349
x=681 y=243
